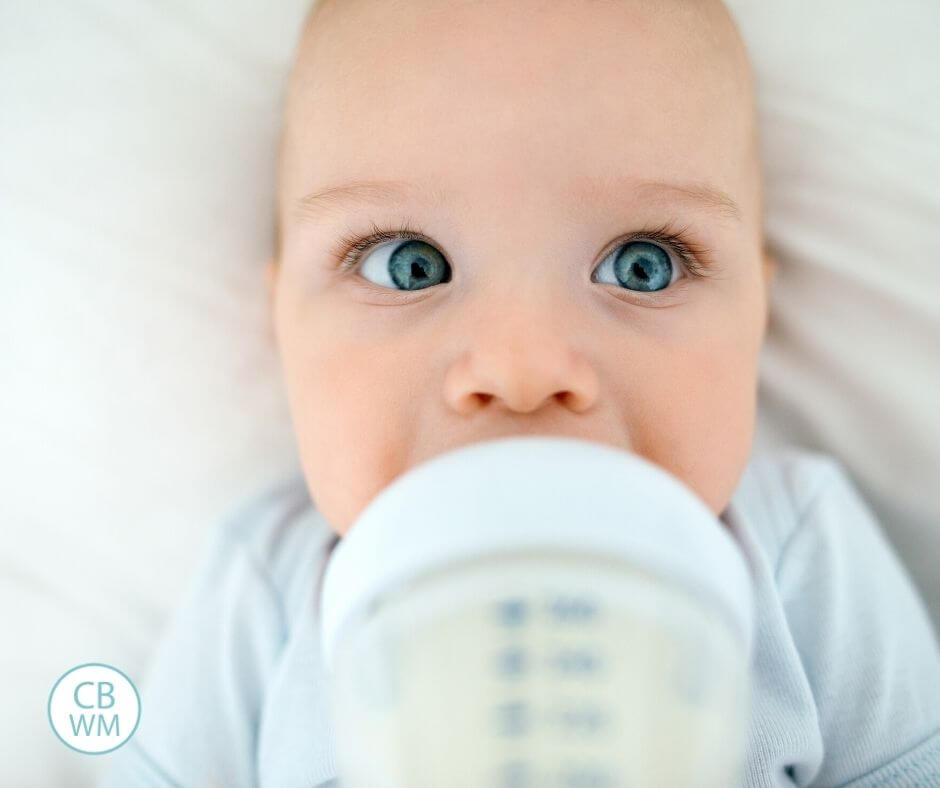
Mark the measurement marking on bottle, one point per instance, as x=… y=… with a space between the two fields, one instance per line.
x=512 y=612
x=515 y=774
x=587 y=718
x=571 y=609
x=512 y=662
x=588 y=775
x=575 y=662
x=513 y=718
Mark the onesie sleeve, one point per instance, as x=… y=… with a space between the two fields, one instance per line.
x=202 y=696
x=866 y=644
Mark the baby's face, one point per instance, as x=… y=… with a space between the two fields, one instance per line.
x=581 y=253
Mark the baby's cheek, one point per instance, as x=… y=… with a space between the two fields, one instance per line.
x=347 y=410
x=701 y=417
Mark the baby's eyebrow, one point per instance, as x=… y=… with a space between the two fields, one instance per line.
x=589 y=189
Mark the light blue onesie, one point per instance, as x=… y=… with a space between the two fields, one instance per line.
x=846 y=666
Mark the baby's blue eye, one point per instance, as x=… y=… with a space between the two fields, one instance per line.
x=640 y=265
x=408 y=265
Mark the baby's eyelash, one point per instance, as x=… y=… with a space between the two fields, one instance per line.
x=694 y=256
x=350 y=247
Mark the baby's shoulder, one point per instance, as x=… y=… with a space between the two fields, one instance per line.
x=777 y=491
x=283 y=535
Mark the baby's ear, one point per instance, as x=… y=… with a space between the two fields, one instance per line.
x=270 y=276
x=770 y=268
x=770 y=264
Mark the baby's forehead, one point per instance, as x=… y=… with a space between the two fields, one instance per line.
x=686 y=29
x=658 y=89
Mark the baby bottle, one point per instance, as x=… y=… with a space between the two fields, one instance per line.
x=537 y=612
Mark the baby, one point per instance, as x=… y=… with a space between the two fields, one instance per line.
x=519 y=217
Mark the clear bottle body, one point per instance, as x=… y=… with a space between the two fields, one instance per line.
x=541 y=670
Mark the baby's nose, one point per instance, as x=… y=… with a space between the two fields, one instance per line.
x=521 y=368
